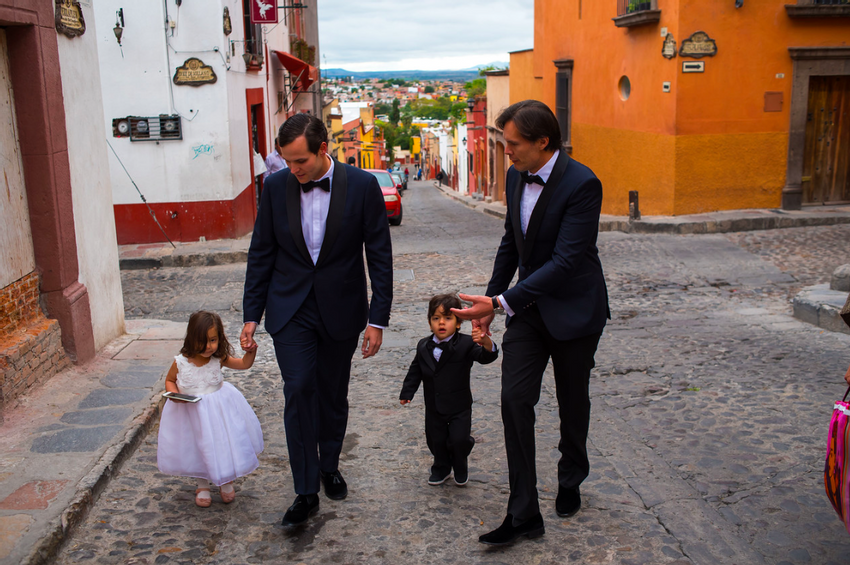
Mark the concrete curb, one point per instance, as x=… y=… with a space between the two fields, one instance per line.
x=90 y=487
x=819 y=306
x=184 y=260
x=682 y=225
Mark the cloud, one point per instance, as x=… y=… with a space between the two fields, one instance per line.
x=430 y=34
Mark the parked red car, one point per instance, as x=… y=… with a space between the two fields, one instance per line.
x=392 y=197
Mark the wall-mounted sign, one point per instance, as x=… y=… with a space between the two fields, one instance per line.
x=69 y=18
x=228 y=27
x=693 y=66
x=194 y=73
x=668 y=48
x=698 y=45
x=263 y=11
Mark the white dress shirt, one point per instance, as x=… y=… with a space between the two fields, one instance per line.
x=530 y=195
x=314 y=214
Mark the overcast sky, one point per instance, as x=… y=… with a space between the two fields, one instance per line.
x=379 y=35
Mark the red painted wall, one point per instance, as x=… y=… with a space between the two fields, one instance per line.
x=212 y=219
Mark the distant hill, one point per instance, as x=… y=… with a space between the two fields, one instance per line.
x=496 y=64
x=459 y=76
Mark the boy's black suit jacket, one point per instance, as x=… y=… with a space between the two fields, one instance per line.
x=446 y=383
x=280 y=272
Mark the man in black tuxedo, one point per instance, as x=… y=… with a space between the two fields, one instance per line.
x=305 y=271
x=557 y=309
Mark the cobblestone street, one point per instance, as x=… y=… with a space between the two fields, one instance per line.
x=710 y=412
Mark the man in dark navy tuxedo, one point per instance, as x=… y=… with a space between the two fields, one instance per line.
x=305 y=272
x=556 y=311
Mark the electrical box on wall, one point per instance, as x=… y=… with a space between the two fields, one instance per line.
x=665 y=87
x=158 y=128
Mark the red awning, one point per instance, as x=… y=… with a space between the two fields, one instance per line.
x=306 y=74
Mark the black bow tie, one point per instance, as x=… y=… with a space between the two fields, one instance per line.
x=432 y=345
x=324 y=184
x=532 y=179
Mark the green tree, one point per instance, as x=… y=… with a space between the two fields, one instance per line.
x=475 y=87
x=394 y=113
x=429 y=89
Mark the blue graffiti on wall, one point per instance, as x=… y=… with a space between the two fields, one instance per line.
x=203 y=149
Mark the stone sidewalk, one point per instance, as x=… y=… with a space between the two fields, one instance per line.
x=712 y=222
x=62 y=442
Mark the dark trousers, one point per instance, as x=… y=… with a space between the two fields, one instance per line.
x=448 y=439
x=527 y=348
x=315 y=371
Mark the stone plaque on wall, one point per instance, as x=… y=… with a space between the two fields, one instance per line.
x=698 y=45
x=668 y=48
x=69 y=18
x=194 y=72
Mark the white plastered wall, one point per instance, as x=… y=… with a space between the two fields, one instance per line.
x=94 y=221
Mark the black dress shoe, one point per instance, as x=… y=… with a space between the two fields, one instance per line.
x=305 y=505
x=507 y=532
x=335 y=487
x=439 y=476
x=568 y=502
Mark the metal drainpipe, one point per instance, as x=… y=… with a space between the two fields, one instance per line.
x=168 y=57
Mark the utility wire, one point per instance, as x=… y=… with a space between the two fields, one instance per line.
x=142 y=196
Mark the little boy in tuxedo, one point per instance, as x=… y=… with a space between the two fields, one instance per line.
x=442 y=363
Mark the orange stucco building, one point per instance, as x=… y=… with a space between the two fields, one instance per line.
x=761 y=120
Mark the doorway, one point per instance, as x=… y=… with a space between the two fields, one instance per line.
x=256 y=119
x=256 y=138
x=826 y=157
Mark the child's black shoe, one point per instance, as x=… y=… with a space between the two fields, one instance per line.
x=439 y=476
x=461 y=476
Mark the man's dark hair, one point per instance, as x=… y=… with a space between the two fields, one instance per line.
x=351 y=161
x=533 y=120
x=309 y=126
x=447 y=301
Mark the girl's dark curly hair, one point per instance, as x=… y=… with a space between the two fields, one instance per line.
x=195 y=341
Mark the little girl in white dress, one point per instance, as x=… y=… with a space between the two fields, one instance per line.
x=218 y=438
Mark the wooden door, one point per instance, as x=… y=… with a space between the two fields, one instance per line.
x=826 y=157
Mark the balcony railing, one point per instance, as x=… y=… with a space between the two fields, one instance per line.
x=625 y=7
x=636 y=12
x=819 y=9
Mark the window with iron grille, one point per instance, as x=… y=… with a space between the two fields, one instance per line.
x=563 y=99
x=253 y=32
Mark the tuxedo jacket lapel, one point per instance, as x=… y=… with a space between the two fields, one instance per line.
x=516 y=211
x=339 y=188
x=542 y=202
x=293 y=216
x=427 y=357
